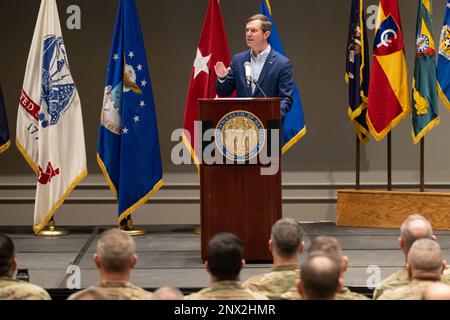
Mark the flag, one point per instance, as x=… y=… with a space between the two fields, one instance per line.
x=357 y=70
x=443 y=64
x=294 y=121
x=128 y=143
x=424 y=97
x=50 y=132
x=212 y=47
x=4 y=131
x=389 y=99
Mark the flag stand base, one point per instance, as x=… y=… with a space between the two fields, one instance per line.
x=127 y=226
x=51 y=230
x=197 y=231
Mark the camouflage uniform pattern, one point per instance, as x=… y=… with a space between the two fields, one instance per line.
x=11 y=289
x=412 y=291
x=279 y=284
x=226 y=290
x=400 y=278
x=116 y=290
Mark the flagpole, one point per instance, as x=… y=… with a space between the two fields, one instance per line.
x=389 y=163
x=51 y=230
x=358 y=162
x=127 y=225
x=422 y=164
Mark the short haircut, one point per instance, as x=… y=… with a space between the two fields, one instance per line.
x=329 y=245
x=425 y=255
x=224 y=254
x=413 y=228
x=320 y=275
x=115 y=249
x=286 y=237
x=6 y=254
x=266 y=25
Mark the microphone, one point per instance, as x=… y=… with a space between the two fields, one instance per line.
x=250 y=80
x=248 y=72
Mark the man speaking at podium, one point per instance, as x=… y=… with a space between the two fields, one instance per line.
x=259 y=72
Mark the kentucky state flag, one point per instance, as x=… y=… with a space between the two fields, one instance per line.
x=424 y=98
x=443 y=64
x=389 y=99
x=294 y=121
x=50 y=132
x=357 y=70
x=128 y=144
x=4 y=132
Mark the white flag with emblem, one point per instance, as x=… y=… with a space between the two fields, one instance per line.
x=50 y=132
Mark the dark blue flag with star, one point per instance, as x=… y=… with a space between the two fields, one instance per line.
x=4 y=132
x=128 y=144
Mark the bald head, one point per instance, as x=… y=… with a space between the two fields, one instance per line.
x=425 y=258
x=413 y=228
x=168 y=293
x=319 y=276
x=437 y=291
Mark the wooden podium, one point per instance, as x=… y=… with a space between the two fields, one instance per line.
x=236 y=197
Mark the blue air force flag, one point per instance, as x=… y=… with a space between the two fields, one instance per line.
x=4 y=132
x=128 y=144
x=294 y=121
x=50 y=132
x=443 y=64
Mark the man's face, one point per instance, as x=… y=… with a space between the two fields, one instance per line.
x=254 y=35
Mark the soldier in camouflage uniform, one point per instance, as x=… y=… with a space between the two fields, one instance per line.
x=413 y=228
x=437 y=291
x=425 y=266
x=332 y=247
x=320 y=278
x=11 y=289
x=115 y=257
x=224 y=263
x=286 y=244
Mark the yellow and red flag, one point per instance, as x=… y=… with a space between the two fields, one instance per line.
x=389 y=99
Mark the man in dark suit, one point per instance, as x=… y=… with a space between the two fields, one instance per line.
x=270 y=71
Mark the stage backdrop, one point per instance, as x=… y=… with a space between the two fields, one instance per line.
x=314 y=34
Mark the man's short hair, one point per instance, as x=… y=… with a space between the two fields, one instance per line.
x=6 y=254
x=326 y=244
x=224 y=254
x=413 y=228
x=320 y=275
x=266 y=25
x=425 y=255
x=286 y=237
x=115 y=249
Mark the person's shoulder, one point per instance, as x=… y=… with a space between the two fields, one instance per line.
x=346 y=294
x=21 y=290
x=279 y=56
x=254 y=280
x=243 y=55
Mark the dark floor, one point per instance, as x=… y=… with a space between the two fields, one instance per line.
x=170 y=255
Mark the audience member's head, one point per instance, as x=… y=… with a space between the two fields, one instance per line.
x=286 y=240
x=437 y=291
x=224 y=256
x=320 y=277
x=8 y=263
x=168 y=293
x=116 y=253
x=425 y=260
x=413 y=228
x=330 y=246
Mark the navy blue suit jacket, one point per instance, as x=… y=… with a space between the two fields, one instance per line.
x=276 y=79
